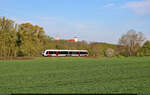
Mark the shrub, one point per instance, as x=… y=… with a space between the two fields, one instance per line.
x=109 y=52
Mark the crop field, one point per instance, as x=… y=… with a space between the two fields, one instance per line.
x=75 y=75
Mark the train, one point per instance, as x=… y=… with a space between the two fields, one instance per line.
x=65 y=53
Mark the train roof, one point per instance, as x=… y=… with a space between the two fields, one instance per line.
x=63 y=50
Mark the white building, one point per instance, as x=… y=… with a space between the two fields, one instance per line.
x=76 y=39
x=57 y=38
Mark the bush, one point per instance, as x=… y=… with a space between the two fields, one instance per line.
x=20 y=53
x=120 y=56
x=109 y=52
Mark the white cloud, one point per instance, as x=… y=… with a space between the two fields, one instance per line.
x=139 y=7
x=109 y=5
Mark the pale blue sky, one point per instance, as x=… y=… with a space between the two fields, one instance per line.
x=90 y=20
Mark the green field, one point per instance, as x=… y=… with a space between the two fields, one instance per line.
x=76 y=75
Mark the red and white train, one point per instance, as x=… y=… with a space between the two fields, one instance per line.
x=47 y=53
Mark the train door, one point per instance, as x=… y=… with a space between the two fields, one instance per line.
x=78 y=53
x=56 y=53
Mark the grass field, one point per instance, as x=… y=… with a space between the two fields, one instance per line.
x=76 y=75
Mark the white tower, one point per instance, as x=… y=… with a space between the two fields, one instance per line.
x=57 y=38
x=76 y=39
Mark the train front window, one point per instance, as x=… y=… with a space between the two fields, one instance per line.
x=47 y=52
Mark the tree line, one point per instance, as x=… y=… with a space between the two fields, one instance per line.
x=27 y=39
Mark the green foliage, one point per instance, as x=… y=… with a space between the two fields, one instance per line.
x=145 y=50
x=7 y=37
x=32 y=39
x=120 y=56
x=22 y=40
x=100 y=48
x=76 y=75
x=27 y=39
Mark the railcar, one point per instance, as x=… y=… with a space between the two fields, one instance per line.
x=63 y=53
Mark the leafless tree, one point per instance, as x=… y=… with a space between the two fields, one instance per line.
x=132 y=41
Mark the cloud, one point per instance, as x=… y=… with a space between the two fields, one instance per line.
x=139 y=7
x=109 y=5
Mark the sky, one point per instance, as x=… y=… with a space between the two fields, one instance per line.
x=89 y=20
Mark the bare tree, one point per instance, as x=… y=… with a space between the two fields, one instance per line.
x=132 y=41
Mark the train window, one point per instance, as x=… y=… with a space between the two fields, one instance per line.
x=83 y=52
x=63 y=52
x=70 y=52
x=51 y=52
x=54 y=52
x=74 y=52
